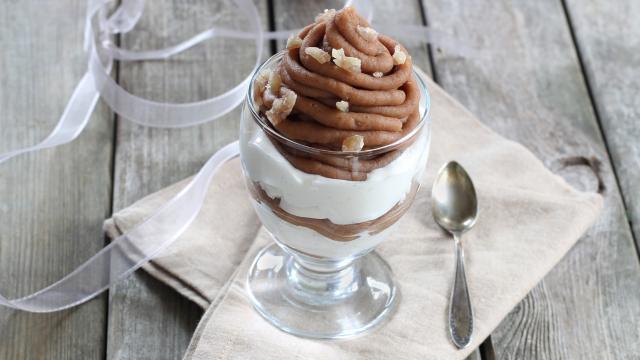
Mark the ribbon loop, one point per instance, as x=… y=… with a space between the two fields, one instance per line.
x=125 y=18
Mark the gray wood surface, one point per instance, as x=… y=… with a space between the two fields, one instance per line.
x=526 y=83
x=147 y=319
x=52 y=203
x=608 y=38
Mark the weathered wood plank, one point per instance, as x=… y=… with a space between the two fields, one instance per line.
x=146 y=318
x=608 y=39
x=52 y=203
x=295 y=14
x=526 y=84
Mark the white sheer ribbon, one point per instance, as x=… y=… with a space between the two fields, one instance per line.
x=134 y=248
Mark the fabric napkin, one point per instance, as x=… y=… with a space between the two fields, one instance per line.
x=529 y=218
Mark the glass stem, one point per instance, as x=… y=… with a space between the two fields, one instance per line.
x=321 y=281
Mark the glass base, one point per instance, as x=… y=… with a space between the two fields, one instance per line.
x=315 y=298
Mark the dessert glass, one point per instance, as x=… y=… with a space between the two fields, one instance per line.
x=321 y=277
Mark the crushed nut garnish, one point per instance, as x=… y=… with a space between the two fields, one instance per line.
x=294 y=42
x=378 y=74
x=353 y=143
x=282 y=106
x=351 y=64
x=326 y=15
x=368 y=33
x=399 y=57
x=260 y=84
x=274 y=83
x=342 y=106
x=320 y=55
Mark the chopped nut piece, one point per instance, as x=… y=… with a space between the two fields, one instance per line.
x=320 y=55
x=353 y=143
x=282 y=106
x=351 y=64
x=260 y=84
x=274 y=83
x=294 y=42
x=326 y=15
x=342 y=106
x=368 y=33
x=378 y=74
x=268 y=98
x=399 y=57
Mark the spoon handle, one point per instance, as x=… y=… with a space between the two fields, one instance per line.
x=460 y=313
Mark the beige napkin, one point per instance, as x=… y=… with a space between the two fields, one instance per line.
x=529 y=218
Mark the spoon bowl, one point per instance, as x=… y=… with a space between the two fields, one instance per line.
x=455 y=204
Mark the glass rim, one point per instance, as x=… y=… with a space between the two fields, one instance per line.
x=265 y=125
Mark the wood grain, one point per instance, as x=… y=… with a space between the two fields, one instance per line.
x=607 y=35
x=147 y=319
x=53 y=202
x=526 y=83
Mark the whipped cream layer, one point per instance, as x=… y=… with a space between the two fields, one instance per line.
x=340 y=201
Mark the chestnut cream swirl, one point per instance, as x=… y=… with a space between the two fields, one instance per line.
x=340 y=86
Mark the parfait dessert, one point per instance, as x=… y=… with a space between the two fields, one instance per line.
x=334 y=142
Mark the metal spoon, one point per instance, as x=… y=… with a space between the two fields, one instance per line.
x=455 y=209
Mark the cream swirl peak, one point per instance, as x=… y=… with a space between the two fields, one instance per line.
x=340 y=86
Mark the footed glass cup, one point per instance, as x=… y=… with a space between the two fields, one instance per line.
x=321 y=278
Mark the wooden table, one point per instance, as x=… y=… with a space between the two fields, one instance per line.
x=560 y=76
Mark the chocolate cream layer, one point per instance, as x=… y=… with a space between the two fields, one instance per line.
x=340 y=86
x=333 y=231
